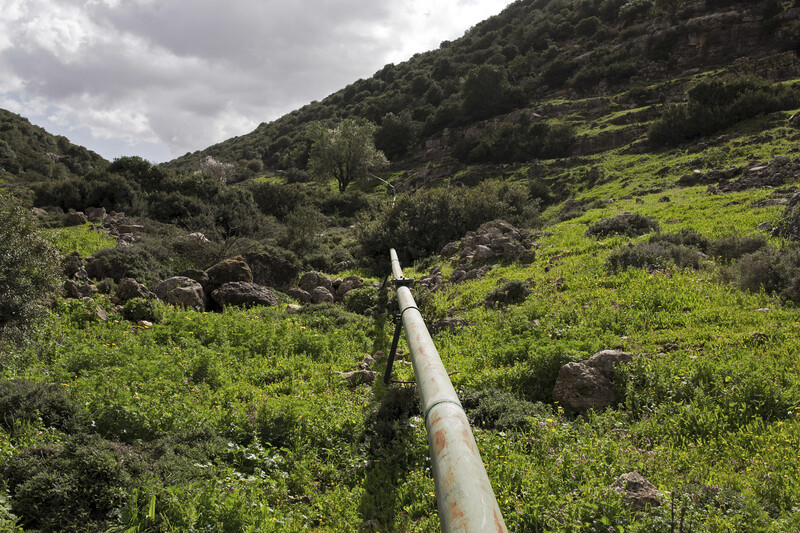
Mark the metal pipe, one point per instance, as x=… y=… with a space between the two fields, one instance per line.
x=464 y=493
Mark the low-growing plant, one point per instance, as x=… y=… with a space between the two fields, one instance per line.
x=728 y=249
x=499 y=409
x=628 y=224
x=654 y=256
x=773 y=270
x=510 y=292
x=22 y=400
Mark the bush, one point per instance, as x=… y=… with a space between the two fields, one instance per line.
x=773 y=270
x=139 y=309
x=70 y=487
x=629 y=224
x=29 y=267
x=715 y=104
x=499 y=409
x=728 y=249
x=420 y=224
x=362 y=301
x=654 y=256
x=131 y=262
x=511 y=292
x=25 y=401
x=685 y=237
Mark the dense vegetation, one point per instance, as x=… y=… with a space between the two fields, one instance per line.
x=146 y=417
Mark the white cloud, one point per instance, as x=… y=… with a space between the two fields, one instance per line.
x=184 y=74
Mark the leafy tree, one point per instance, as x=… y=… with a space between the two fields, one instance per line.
x=346 y=152
x=28 y=266
x=396 y=134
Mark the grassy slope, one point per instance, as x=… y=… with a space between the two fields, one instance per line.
x=714 y=424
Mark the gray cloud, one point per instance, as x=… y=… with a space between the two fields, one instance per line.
x=171 y=76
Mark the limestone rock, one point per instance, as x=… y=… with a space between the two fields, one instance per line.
x=78 y=291
x=357 y=377
x=272 y=271
x=75 y=218
x=244 y=293
x=129 y=288
x=182 y=291
x=230 y=270
x=589 y=384
x=72 y=266
x=321 y=295
x=300 y=295
x=95 y=213
x=348 y=284
x=311 y=280
x=637 y=491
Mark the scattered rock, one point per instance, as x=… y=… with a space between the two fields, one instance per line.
x=311 y=280
x=589 y=384
x=228 y=271
x=321 y=295
x=197 y=236
x=145 y=324
x=764 y=226
x=293 y=309
x=348 y=284
x=490 y=242
x=39 y=213
x=101 y=313
x=637 y=491
x=72 y=266
x=773 y=174
x=244 y=293
x=78 y=291
x=300 y=295
x=95 y=213
x=129 y=288
x=366 y=363
x=789 y=225
x=182 y=291
x=198 y=275
x=272 y=271
x=75 y=218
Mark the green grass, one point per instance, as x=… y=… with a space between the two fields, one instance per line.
x=82 y=239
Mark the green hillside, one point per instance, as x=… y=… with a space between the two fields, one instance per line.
x=645 y=166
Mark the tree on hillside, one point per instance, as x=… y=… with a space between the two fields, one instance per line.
x=346 y=152
x=28 y=267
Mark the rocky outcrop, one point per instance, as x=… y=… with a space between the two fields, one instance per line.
x=775 y=173
x=311 y=280
x=72 y=266
x=346 y=285
x=321 y=295
x=78 y=290
x=589 y=384
x=637 y=492
x=492 y=242
x=182 y=291
x=129 y=288
x=230 y=270
x=75 y=218
x=272 y=271
x=789 y=225
x=300 y=295
x=95 y=213
x=245 y=294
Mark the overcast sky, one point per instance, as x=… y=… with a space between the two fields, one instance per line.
x=159 y=78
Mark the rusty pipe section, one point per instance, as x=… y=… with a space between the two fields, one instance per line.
x=464 y=495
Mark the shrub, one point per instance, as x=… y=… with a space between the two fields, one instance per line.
x=142 y=309
x=772 y=270
x=23 y=401
x=731 y=248
x=629 y=224
x=421 y=223
x=29 y=267
x=69 y=487
x=685 y=237
x=654 y=256
x=361 y=301
x=715 y=104
x=499 y=409
x=131 y=262
x=511 y=292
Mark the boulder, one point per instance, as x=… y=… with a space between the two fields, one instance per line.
x=311 y=280
x=272 y=271
x=637 y=491
x=198 y=275
x=244 y=293
x=39 y=213
x=78 y=291
x=589 y=384
x=357 y=377
x=348 y=284
x=182 y=291
x=321 y=295
x=229 y=271
x=300 y=295
x=72 y=266
x=75 y=218
x=129 y=288
x=95 y=213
